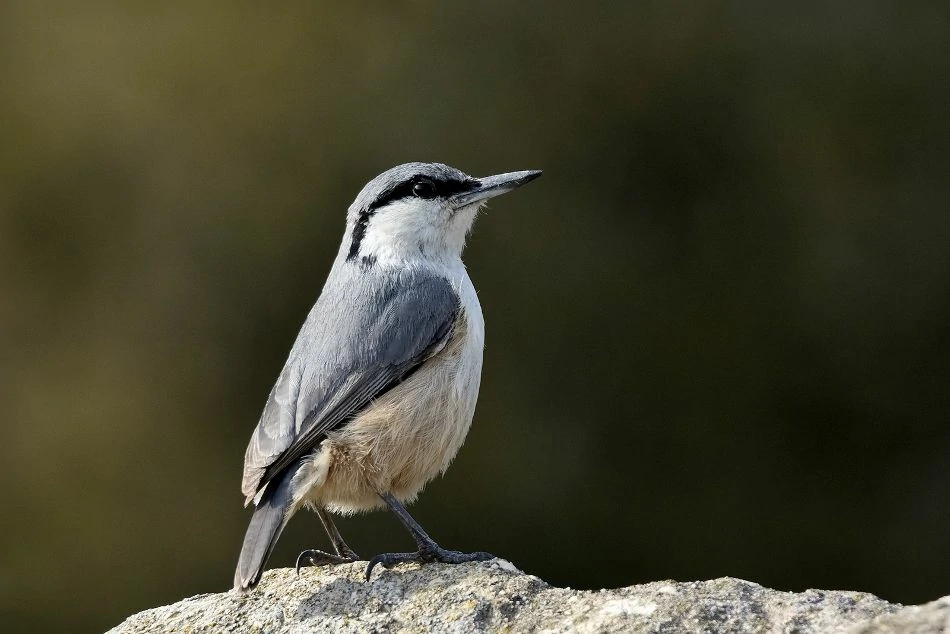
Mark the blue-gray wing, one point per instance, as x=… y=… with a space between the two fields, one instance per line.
x=366 y=333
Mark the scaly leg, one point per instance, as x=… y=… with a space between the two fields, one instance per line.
x=344 y=554
x=428 y=551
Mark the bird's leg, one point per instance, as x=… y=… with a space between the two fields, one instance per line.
x=344 y=554
x=338 y=544
x=428 y=551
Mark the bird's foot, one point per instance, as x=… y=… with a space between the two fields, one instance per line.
x=425 y=555
x=321 y=558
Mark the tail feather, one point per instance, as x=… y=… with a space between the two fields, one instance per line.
x=270 y=516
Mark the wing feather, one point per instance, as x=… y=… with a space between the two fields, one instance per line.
x=366 y=333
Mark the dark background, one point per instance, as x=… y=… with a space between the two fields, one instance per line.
x=718 y=327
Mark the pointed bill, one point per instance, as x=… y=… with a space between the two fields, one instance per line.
x=491 y=186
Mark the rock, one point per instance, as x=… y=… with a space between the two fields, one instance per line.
x=930 y=618
x=495 y=596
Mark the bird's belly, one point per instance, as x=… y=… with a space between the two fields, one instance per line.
x=406 y=437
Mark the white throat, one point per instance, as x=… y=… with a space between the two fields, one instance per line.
x=414 y=232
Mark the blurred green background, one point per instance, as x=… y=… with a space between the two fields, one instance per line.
x=718 y=327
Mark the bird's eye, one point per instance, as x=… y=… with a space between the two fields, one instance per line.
x=424 y=189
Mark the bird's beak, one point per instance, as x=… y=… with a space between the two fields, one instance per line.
x=491 y=186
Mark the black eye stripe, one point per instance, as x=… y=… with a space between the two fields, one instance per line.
x=443 y=189
x=359 y=232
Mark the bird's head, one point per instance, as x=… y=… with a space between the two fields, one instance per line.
x=420 y=210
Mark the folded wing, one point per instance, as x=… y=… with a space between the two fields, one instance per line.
x=359 y=340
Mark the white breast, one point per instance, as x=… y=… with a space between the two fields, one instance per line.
x=410 y=434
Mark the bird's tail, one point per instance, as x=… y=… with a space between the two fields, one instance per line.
x=270 y=516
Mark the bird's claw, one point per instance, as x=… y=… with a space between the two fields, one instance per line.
x=425 y=556
x=321 y=558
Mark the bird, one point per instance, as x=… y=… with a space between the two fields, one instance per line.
x=379 y=389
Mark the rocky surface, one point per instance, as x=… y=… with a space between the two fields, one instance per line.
x=496 y=597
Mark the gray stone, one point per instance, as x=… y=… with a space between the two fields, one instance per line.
x=930 y=618
x=496 y=597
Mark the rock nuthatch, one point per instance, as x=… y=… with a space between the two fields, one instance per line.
x=378 y=392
